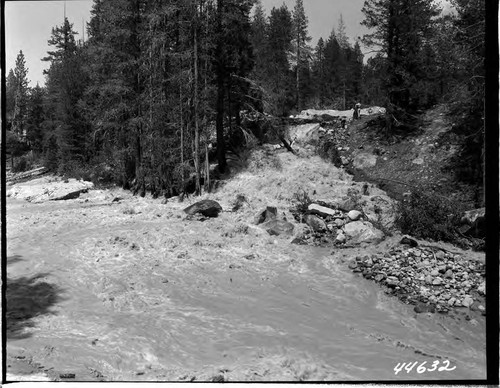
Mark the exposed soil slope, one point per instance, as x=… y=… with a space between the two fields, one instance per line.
x=403 y=163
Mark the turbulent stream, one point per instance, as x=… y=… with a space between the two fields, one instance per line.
x=108 y=294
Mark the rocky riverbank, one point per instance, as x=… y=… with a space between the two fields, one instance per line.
x=432 y=279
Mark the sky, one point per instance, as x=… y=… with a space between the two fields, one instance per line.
x=28 y=25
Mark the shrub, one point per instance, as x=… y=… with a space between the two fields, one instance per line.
x=426 y=214
x=302 y=201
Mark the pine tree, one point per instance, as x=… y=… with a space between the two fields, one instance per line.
x=399 y=30
x=468 y=97
x=113 y=98
x=334 y=60
x=65 y=85
x=233 y=62
x=319 y=73
x=280 y=83
x=36 y=117
x=341 y=34
x=21 y=97
x=10 y=97
x=259 y=38
x=302 y=50
x=356 y=74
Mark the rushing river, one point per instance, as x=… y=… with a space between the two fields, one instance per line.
x=144 y=297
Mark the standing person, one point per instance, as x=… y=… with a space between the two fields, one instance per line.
x=355 y=115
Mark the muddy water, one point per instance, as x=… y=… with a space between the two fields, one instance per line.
x=150 y=296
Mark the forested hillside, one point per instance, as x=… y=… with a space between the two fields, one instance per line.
x=160 y=89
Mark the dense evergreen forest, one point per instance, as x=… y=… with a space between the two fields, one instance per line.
x=162 y=89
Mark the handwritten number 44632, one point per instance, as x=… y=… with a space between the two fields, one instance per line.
x=408 y=367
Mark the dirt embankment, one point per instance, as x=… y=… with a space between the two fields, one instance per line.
x=108 y=286
x=399 y=164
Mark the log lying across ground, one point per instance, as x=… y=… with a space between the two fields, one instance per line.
x=16 y=178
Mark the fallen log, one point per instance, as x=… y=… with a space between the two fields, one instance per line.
x=16 y=178
x=287 y=145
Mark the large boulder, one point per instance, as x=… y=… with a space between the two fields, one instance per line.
x=358 y=232
x=267 y=214
x=205 y=207
x=316 y=223
x=278 y=227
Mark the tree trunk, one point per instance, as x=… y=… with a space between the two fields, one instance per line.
x=298 y=73
x=207 y=133
x=182 y=136
x=196 y=123
x=219 y=121
x=207 y=169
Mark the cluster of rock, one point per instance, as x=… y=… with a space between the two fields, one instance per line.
x=430 y=278
x=339 y=224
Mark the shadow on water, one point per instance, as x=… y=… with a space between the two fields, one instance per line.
x=27 y=298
